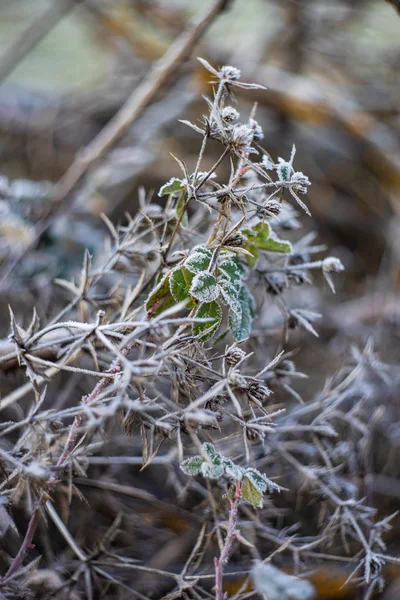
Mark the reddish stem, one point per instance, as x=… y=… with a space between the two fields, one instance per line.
x=226 y=550
x=68 y=448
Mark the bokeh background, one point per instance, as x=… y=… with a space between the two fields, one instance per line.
x=332 y=73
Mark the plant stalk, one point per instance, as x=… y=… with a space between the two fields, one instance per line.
x=226 y=550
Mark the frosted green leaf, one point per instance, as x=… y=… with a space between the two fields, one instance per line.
x=233 y=470
x=251 y=493
x=199 y=259
x=258 y=234
x=212 y=471
x=217 y=467
x=261 y=482
x=180 y=206
x=255 y=253
x=273 y=244
x=257 y=479
x=160 y=298
x=192 y=465
x=173 y=186
x=210 y=310
x=230 y=296
x=240 y=321
x=211 y=451
x=229 y=271
x=284 y=170
x=179 y=283
x=204 y=287
x=260 y=237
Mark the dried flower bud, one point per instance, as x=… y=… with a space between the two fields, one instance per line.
x=258 y=133
x=228 y=72
x=258 y=391
x=331 y=264
x=273 y=207
x=229 y=114
x=238 y=239
x=234 y=355
x=240 y=137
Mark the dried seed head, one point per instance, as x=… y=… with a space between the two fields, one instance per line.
x=270 y=208
x=258 y=133
x=238 y=239
x=229 y=114
x=240 y=137
x=234 y=355
x=332 y=265
x=258 y=391
x=228 y=72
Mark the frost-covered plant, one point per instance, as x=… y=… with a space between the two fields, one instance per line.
x=145 y=321
x=214 y=274
x=249 y=485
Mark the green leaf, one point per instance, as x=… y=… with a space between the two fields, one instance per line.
x=180 y=207
x=160 y=298
x=260 y=237
x=230 y=296
x=208 y=310
x=273 y=244
x=212 y=471
x=261 y=482
x=192 y=465
x=233 y=470
x=229 y=271
x=254 y=251
x=230 y=282
x=179 y=284
x=258 y=234
x=198 y=260
x=251 y=493
x=240 y=321
x=204 y=287
x=256 y=479
x=284 y=171
x=217 y=466
x=212 y=453
x=173 y=186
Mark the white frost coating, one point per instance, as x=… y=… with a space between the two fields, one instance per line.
x=198 y=260
x=173 y=185
x=230 y=297
x=261 y=482
x=204 y=287
x=274 y=584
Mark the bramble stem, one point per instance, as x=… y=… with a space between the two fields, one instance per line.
x=226 y=550
x=68 y=448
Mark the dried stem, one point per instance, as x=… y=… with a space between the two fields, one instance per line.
x=226 y=550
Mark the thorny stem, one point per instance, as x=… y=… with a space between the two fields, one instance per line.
x=226 y=550
x=25 y=546
x=68 y=448
x=199 y=185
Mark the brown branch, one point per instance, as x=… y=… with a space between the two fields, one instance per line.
x=32 y=35
x=68 y=449
x=395 y=4
x=304 y=99
x=141 y=97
